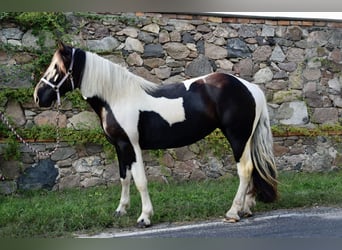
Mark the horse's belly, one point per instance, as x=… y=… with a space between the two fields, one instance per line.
x=156 y=133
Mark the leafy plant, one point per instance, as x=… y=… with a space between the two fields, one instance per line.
x=11 y=150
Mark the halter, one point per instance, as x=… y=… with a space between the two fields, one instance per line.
x=68 y=75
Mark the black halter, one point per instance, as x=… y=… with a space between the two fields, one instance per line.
x=68 y=75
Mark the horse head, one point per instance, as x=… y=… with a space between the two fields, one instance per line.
x=57 y=79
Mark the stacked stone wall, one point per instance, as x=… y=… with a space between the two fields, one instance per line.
x=297 y=63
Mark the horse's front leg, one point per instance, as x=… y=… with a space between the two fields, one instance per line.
x=140 y=180
x=125 y=198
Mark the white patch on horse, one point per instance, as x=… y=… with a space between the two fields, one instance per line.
x=171 y=110
x=104 y=120
x=187 y=83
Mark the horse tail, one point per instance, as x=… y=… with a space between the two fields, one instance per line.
x=264 y=172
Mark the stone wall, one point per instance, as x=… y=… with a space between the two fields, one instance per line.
x=296 y=62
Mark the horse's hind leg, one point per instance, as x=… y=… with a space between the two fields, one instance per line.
x=241 y=205
x=249 y=200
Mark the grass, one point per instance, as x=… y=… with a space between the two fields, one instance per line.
x=60 y=214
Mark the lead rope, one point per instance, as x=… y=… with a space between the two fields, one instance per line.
x=39 y=154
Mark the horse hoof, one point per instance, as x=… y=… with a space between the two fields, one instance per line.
x=142 y=224
x=245 y=214
x=118 y=214
x=230 y=220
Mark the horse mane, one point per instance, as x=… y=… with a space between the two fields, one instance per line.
x=111 y=81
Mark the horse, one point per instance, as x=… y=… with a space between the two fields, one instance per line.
x=136 y=115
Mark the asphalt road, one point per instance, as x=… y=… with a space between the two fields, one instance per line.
x=300 y=223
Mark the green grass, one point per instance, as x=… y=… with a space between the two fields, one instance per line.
x=60 y=214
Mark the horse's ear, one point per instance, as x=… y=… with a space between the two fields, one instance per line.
x=61 y=45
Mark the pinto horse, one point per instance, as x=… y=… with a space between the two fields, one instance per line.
x=137 y=114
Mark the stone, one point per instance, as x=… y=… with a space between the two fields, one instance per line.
x=296 y=113
x=337 y=100
x=214 y=52
x=164 y=36
x=187 y=38
x=286 y=96
x=87 y=164
x=29 y=40
x=16 y=76
x=314 y=99
x=14 y=43
x=198 y=67
x=197 y=175
x=132 y=44
x=111 y=173
x=244 y=67
x=48 y=38
x=129 y=31
x=237 y=48
x=174 y=79
x=23 y=58
x=267 y=31
x=70 y=181
x=294 y=33
x=153 y=28
x=181 y=25
x=336 y=38
x=144 y=73
x=12 y=33
x=175 y=36
x=42 y=175
x=295 y=55
x=221 y=32
x=48 y=117
x=225 y=64
x=10 y=170
x=182 y=170
x=262 y=53
x=8 y=187
x=335 y=85
x=248 y=31
x=277 y=54
x=134 y=59
x=84 y=120
x=92 y=182
x=162 y=72
x=176 y=50
x=287 y=66
x=312 y=74
x=203 y=28
x=153 y=50
x=106 y=44
x=145 y=37
x=296 y=80
x=325 y=115
x=183 y=154
x=263 y=75
x=16 y=113
x=63 y=154
x=158 y=173
x=277 y=85
x=317 y=38
x=336 y=56
x=154 y=62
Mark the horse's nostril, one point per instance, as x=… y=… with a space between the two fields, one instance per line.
x=37 y=100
